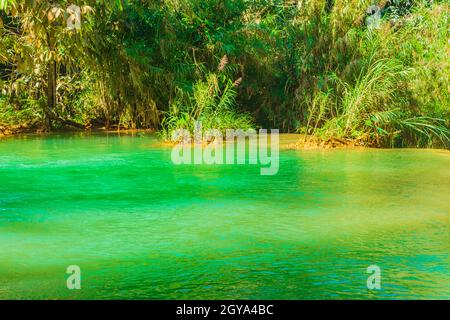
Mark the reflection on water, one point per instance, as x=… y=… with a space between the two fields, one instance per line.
x=140 y=227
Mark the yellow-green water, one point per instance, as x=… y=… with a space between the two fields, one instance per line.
x=140 y=227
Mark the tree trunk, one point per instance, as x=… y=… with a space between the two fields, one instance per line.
x=51 y=80
x=51 y=93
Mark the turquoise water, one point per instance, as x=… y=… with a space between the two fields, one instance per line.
x=140 y=227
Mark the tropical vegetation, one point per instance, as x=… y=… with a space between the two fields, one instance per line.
x=376 y=75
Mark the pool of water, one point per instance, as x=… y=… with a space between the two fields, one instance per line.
x=140 y=227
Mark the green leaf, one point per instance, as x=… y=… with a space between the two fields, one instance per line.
x=119 y=4
x=3 y=4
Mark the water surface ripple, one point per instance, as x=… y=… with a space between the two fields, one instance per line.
x=140 y=227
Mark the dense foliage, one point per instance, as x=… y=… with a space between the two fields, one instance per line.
x=308 y=66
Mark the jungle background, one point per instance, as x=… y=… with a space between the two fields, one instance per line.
x=375 y=72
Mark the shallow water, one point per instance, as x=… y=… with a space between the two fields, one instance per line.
x=140 y=227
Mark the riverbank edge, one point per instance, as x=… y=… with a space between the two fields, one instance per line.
x=295 y=141
x=20 y=130
x=289 y=141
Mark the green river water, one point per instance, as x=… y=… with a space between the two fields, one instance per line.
x=140 y=227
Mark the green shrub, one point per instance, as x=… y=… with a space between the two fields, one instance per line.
x=212 y=102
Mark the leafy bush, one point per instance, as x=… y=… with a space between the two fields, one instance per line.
x=211 y=102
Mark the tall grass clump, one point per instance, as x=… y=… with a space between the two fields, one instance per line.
x=211 y=102
x=372 y=93
x=385 y=86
